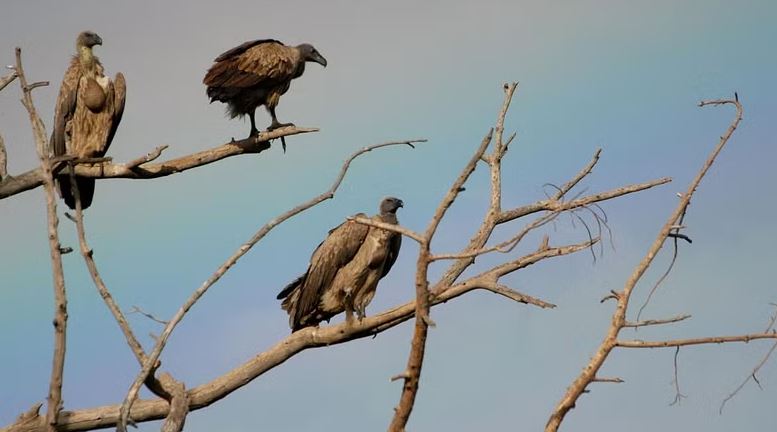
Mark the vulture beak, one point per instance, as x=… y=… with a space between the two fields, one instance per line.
x=400 y=203
x=98 y=40
x=318 y=58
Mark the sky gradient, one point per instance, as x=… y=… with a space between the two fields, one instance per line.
x=621 y=75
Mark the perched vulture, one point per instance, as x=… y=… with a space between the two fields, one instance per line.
x=257 y=73
x=344 y=270
x=88 y=111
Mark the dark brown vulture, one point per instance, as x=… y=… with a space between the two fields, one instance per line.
x=257 y=73
x=88 y=112
x=344 y=270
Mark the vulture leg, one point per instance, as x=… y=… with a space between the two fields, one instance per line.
x=348 y=303
x=254 y=130
x=275 y=123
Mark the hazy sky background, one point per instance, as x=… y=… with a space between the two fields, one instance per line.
x=624 y=76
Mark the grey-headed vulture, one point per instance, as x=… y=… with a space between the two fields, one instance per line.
x=88 y=112
x=344 y=270
x=257 y=73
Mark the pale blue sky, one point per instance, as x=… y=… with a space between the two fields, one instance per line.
x=624 y=76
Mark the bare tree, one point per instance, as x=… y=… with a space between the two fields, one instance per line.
x=174 y=399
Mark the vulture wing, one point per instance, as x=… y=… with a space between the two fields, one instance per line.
x=337 y=250
x=261 y=62
x=119 y=97
x=240 y=49
x=66 y=106
x=395 y=242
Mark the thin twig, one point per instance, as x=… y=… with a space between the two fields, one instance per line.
x=152 y=155
x=678 y=397
x=136 y=309
x=755 y=369
x=199 y=292
x=615 y=380
x=8 y=79
x=652 y=322
x=3 y=160
x=54 y=401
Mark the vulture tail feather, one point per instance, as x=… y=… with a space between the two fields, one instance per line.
x=85 y=190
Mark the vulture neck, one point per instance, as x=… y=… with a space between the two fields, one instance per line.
x=389 y=218
x=87 y=59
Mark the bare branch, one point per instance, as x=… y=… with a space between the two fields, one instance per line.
x=388 y=227
x=615 y=380
x=8 y=79
x=749 y=377
x=514 y=295
x=163 y=390
x=619 y=316
x=153 y=155
x=757 y=368
x=34 y=178
x=696 y=341
x=580 y=176
x=678 y=396
x=54 y=401
x=551 y=205
x=3 y=160
x=199 y=292
x=136 y=309
x=646 y=323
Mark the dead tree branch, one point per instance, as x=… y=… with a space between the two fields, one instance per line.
x=54 y=401
x=618 y=322
x=152 y=358
x=140 y=168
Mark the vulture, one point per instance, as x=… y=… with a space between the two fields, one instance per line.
x=87 y=114
x=257 y=73
x=344 y=270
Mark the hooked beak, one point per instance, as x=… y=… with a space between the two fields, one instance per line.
x=98 y=41
x=318 y=58
x=400 y=203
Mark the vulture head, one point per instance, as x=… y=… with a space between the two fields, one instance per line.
x=88 y=39
x=390 y=205
x=310 y=54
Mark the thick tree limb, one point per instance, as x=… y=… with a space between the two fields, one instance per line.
x=610 y=341
x=199 y=292
x=34 y=178
x=54 y=401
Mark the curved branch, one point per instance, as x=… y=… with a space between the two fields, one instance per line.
x=152 y=358
x=140 y=169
